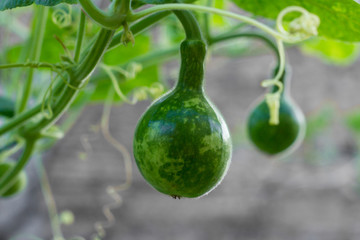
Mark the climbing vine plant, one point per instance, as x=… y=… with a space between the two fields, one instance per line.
x=74 y=53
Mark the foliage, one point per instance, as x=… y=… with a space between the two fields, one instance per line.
x=9 y=4
x=61 y=62
x=339 y=18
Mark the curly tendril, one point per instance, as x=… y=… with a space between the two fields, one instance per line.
x=46 y=103
x=62 y=17
x=300 y=28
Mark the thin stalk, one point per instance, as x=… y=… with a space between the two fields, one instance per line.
x=80 y=36
x=49 y=200
x=109 y=20
x=20 y=119
x=37 y=38
x=183 y=6
x=29 y=65
x=190 y=25
x=259 y=36
x=138 y=27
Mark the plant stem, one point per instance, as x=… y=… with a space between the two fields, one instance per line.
x=77 y=77
x=49 y=200
x=108 y=20
x=8 y=179
x=183 y=6
x=259 y=36
x=37 y=38
x=30 y=65
x=20 y=119
x=190 y=25
x=80 y=36
x=138 y=27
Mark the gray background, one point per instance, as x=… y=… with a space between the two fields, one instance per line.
x=302 y=197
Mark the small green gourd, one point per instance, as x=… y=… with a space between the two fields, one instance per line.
x=19 y=183
x=182 y=145
x=288 y=134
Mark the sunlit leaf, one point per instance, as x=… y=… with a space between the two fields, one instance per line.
x=332 y=51
x=339 y=18
x=9 y=4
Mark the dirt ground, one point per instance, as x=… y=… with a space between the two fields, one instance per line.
x=310 y=195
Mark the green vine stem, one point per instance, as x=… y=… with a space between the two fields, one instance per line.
x=36 y=42
x=80 y=36
x=7 y=179
x=190 y=25
x=30 y=65
x=256 y=35
x=49 y=200
x=110 y=20
x=77 y=77
x=174 y=6
x=137 y=28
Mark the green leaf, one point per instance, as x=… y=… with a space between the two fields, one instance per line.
x=9 y=4
x=332 y=51
x=122 y=54
x=339 y=18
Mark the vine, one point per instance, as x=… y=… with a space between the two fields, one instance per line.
x=73 y=73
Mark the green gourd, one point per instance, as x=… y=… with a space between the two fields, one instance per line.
x=182 y=145
x=284 y=137
x=20 y=181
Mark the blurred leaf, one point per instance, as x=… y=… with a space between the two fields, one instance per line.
x=146 y=77
x=217 y=20
x=339 y=18
x=353 y=121
x=7 y=107
x=332 y=51
x=319 y=121
x=122 y=54
x=172 y=31
x=52 y=49
x=13 y=53
x=9 y=4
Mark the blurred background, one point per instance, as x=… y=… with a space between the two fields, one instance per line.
x=313 y=194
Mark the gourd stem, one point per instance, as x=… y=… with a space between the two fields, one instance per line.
x=190 y=25
x=193 y=51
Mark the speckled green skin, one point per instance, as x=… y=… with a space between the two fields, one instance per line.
x=182 y=145
x=274 y=139
x=20 y=182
